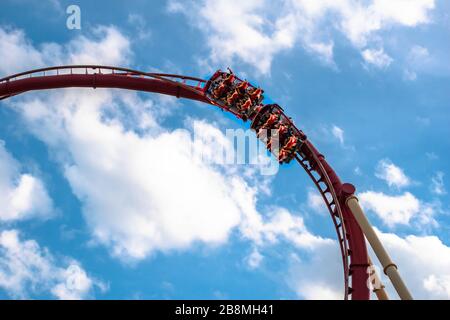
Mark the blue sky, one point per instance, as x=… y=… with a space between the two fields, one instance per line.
x=100 y=198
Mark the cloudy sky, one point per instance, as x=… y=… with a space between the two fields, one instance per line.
x=101 y=198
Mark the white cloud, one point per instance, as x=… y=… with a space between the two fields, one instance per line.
x=22 y=195
x=392 y=174
x=409 y=75
x=418 y=54
x=284 y=225
x=254 y=259
x=317 y=276
x=18 y=51
x=106 y=46
x=323 y=50
x=27 y=269
x=431 y=156
x=139 y=23
x=424 y=262
x=256 y=31
x=158 y=196
x=239 y=29
x=315 y=201
x=437 y=184
x=317 y=291
x=400 y=209
x=338 y=133
x=418 y=60
x=76 y=284
x=439 y=285
x=406 y=12
x=377 y=57
x=362 y=20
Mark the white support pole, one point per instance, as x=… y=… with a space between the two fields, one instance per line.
x=389 y=267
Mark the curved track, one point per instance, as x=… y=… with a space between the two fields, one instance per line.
x=334 y=192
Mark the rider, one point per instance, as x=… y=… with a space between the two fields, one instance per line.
x=270 y=122
x=224 y=85
x=288 y=148
x=220 y=90
x=232 y=97
x=244 y=105
x=255 y=111
x=228 y=80
x=272 y=119
x=242 y=87
x=256 y=94
x=281 y=132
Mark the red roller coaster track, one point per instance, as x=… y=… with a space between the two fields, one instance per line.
x=334 y=192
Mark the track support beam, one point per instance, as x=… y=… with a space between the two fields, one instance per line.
x=389 y=267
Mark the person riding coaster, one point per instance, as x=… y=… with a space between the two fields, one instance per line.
x=287 y=152
x=220 y=90
x=244 y=105
x=228 y=80
x=271 y=121
x=256 y=94
x=254 y=111
x=232 y=97
x=260 y=113
x=221 y=85
x=242 y=87
x=282 y=133
x=282 y=129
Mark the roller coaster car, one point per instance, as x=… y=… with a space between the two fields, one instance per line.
x=233 y=93
x=220 y=84
x=224 y=89
x=271 y=117
x=266 y=117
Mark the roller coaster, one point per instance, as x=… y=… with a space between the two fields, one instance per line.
x=246 y=101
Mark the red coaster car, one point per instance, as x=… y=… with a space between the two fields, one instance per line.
x=233 y=93
x=266 y=117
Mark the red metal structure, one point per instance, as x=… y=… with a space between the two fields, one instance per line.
x=334 y=192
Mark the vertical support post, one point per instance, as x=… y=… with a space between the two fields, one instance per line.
x=389 y=267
